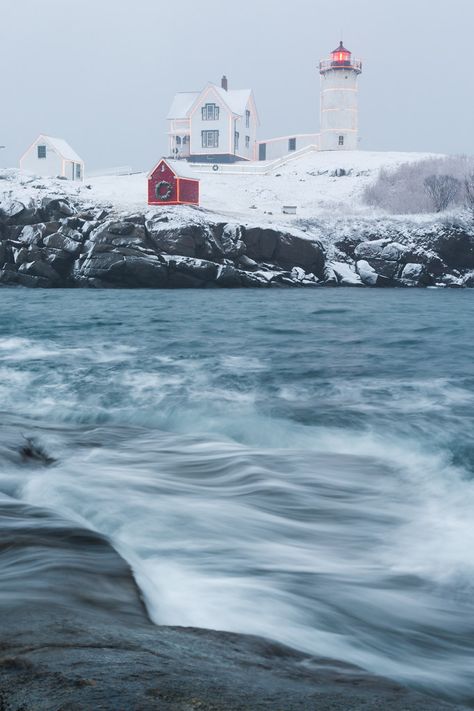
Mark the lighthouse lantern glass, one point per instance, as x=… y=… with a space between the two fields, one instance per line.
x=341 y=56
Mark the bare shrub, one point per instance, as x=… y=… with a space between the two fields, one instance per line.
x=469 y=191
x=402 y=191
x=442 y=190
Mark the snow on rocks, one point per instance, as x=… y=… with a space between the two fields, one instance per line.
x=58 y=234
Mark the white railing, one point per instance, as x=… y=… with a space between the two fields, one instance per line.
x=328 y=64
x=254 y=168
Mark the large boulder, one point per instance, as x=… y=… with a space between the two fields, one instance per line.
x=345 y=274
x=122 y=271
x=187 y=240
x=455 y=248
x=188 y=272
x=415 y=275
x=295 y=251
x=39 y=268
x=118 y=234
x=60 y=241
x=260 y=243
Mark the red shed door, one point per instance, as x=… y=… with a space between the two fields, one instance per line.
x=162 y=186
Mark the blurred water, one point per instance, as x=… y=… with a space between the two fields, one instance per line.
x=293 y=464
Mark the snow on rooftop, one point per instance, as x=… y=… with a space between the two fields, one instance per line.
x=236 y=100
x=181 y=168
x=63 y=148
x=182 y=103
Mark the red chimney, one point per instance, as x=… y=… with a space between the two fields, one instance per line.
x=224 y=83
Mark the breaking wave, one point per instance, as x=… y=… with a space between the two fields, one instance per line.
x=294 y=465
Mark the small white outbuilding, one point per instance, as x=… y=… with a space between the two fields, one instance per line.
x=52 y=157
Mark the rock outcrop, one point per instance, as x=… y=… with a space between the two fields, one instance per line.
x=56 y=242
x=75 y=635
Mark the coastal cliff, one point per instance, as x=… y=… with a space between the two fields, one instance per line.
x=57 y=241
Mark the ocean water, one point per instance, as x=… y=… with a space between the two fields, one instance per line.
x=293 y=464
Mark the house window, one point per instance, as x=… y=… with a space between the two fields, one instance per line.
x=41 y=151
x=247 y=141
x=341 y=140
x=210 y=139
x=292 y=144
x=185 y=140
x=210 y=112
x=78 y=171
x=178 y=140
x=236 y=140
x=247 y=119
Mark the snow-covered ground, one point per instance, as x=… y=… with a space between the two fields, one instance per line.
x=309 y=182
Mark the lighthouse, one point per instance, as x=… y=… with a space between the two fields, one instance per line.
x=339 y=103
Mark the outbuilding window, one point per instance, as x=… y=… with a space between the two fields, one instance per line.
x=341 y=140
x=41 y=151
x=292 y=144
x=210 y=139
x=210 y=112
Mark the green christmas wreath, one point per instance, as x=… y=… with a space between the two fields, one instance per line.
x=167 y=192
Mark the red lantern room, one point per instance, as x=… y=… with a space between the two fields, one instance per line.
x=340 y=59
x=341 y=56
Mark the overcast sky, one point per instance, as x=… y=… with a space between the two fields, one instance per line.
x=102 y=73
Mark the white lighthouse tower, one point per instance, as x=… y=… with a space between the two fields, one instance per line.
x=339 y=104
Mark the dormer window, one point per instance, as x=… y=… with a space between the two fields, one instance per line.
x=210 y=112
x=41 y=151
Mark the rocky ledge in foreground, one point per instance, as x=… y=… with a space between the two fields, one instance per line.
x=56 y=242
x=75 y=636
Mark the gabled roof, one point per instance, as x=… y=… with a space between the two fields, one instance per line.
x=180 y=168
x=62 y=147
x=235 y=99
x=182 y=103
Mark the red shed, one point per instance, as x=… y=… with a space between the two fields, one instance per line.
x=172 y=182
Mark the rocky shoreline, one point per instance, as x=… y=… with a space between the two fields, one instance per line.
x=75 y=636
x=59 y=242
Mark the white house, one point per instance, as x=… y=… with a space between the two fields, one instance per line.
x=217 y=125
x=52 y=157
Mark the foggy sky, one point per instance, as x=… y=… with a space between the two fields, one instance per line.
x=102 y=73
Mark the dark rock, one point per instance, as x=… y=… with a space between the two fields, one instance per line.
x=184 y=272
x=247 y=263
x=60 y=241
x=415 y=275
x=75 y=636
x=118 y=233
x=123 y=271
x=39 y=269
x=455 y=248
x=228 y=277
x=468 y=279
x=32 y=234
x=121 y=228
x=293 y=251
x=186 y=241
x=231 y=241
x=260 y=243
x=370 y=250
